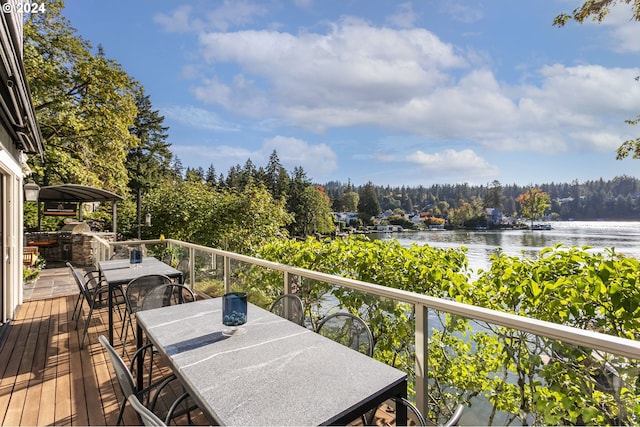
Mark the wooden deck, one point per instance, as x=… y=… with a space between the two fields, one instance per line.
x=45 y=378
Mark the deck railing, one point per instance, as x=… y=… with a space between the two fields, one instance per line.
x=422 y=303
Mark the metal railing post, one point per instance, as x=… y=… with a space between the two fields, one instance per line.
x=192 y=268
x=287 y=283
x=227 y=274
x=422 y=357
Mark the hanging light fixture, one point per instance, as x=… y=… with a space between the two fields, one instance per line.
x=31 y=191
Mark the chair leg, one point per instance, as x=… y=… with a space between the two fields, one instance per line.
x=86 y=326
x=125 y=329
x=121 y=412
x=78 y=303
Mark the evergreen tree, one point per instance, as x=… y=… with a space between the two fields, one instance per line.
x=195 y=174
x=150 y=160
x=494 y=197
x=368 y=203
x=211 y=176
x=295 y=203
x=276 y=176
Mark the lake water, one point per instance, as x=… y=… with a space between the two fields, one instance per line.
x=623 y=236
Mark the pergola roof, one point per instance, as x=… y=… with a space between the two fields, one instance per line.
x=76 y=193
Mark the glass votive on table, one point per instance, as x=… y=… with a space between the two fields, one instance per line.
x=135 y=257
x=234 y=312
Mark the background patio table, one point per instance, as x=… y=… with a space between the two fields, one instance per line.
x=119 y=272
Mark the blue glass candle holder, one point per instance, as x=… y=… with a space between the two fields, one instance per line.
x=135 y=257
x=234 y=312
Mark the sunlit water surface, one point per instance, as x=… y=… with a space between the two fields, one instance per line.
x=624 y=237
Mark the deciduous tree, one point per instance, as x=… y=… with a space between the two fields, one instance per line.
x=533 y=203
x=84 y=102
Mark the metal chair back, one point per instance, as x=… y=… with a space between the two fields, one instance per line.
x=183 y=267
x=167 y=294
x=123 y=374
x=290 y=307
x=138 y=288
x=415 y=418
x=80 y=282
x=349 y=330
x=147 y=417
x=167 y=259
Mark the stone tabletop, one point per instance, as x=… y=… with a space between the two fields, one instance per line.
x=121 y=271
x=275 y=373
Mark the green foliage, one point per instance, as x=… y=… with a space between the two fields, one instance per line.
x=421 y=269
x=195 y=212
x=533 y=203
x=368 y=200
x=348 y=202
x=525 y=379
x=313 y=213
x=32 y=271
x=84 y=104
x=151 y=158
x=553 y=382
x=468 y=213
x=597 y=10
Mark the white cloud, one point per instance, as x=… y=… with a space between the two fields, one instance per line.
x=404 y=18
x=462 y=12
x=453 y=163
x=230 y=13
x=319 y=161
x=197 y=118
x=303 y=4
x=624 y=29
x=234 y=13
x=176 y=21
x=353 y=74
x=223 y=156
x=409 y=81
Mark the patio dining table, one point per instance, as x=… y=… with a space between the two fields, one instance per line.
x=119 y=272
x=275 y=373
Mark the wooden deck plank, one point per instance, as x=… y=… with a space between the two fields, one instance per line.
x=38 y=367
x=27 y=343
x=46 y=379
x=27 y=369
x=63 y=413
x=45 y=416
x=75 y=374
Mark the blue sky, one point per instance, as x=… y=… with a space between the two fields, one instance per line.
x=396 y=93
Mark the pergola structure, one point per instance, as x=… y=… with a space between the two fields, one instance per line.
x=75 y=193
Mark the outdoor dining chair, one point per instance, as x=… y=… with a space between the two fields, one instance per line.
x=290 y=307
x=183 y=267
x=350 y=330
x=96 y=293
x=145 y=415
x=347 y=329
x=167 y=259
x=135 y=293
x=129 y=388
x=167 y=294
x=414 y=417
